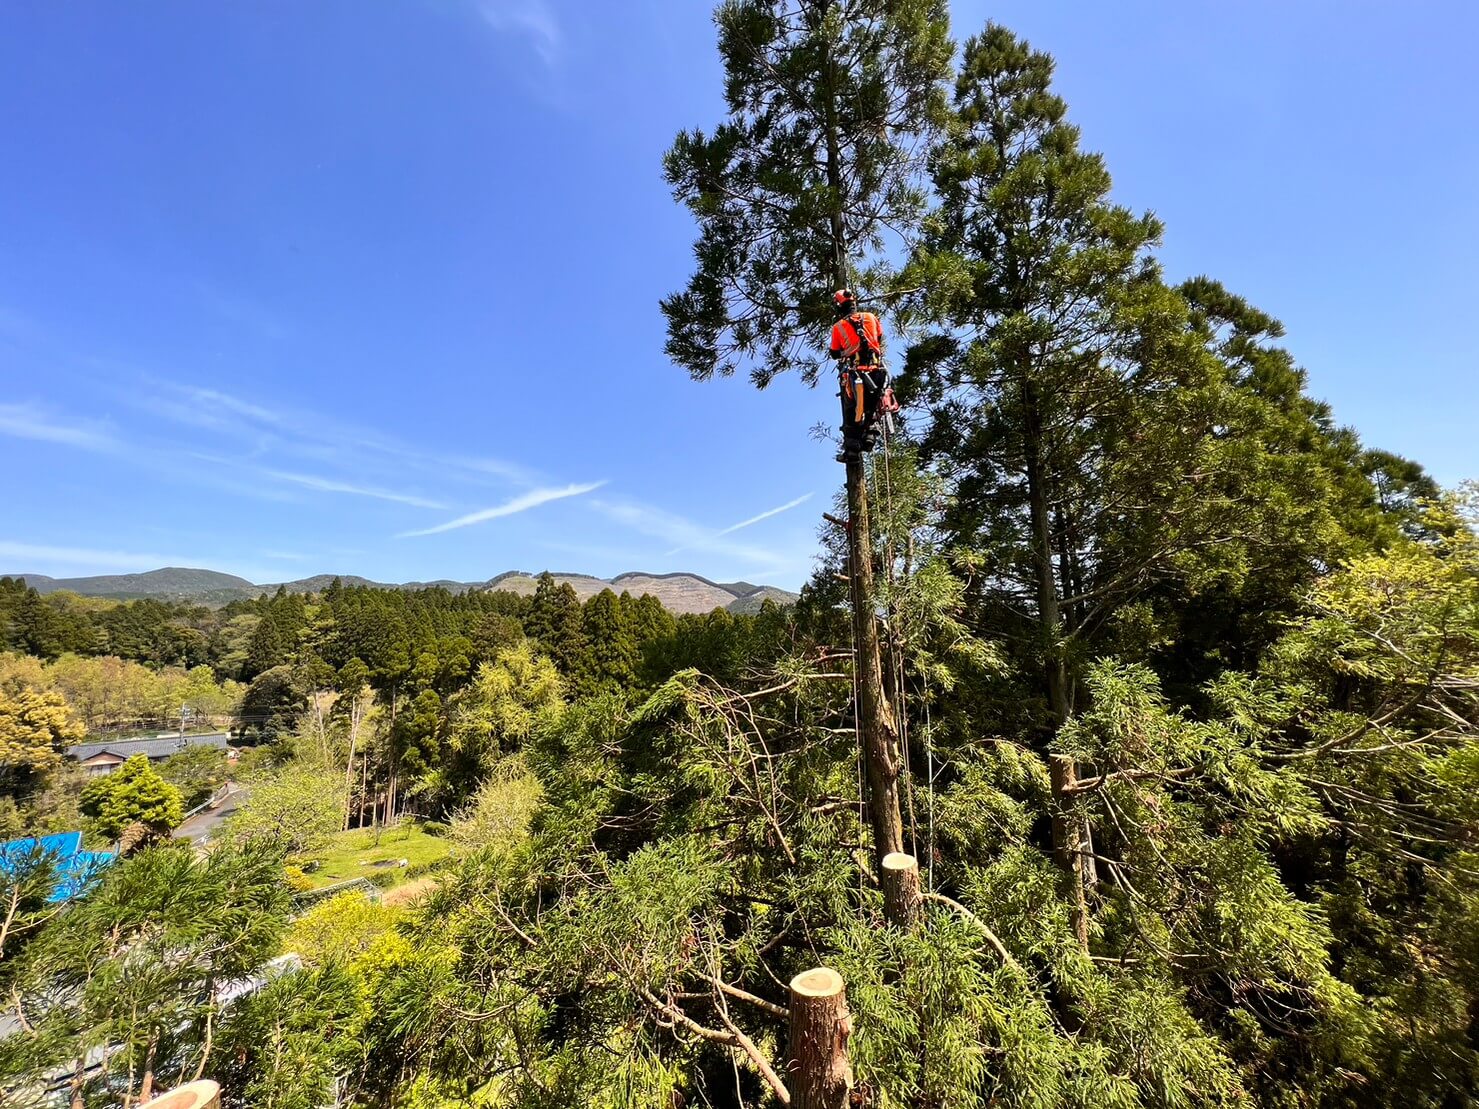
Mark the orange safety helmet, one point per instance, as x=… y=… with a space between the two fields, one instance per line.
x=843 y=296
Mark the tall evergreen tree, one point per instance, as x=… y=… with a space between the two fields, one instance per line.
x=794 y=193
x=611 y=655
x=554 y=623
x=1064 y=391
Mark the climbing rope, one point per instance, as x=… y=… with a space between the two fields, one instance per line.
x=857 y=724
x=896 y=644
x=929 y=784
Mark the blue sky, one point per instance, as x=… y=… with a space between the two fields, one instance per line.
x=372 y=288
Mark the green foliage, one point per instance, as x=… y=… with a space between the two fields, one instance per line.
x=554 y=623
x=339 y=930
x=493 y=715
x=135 y=793
x=197 y=772
x=285 y=1045
x=272 y=705
x=135 y=965
x=35 y=728
x=498 y=816
x=1183 y=680
x=797 y=185
x=298 y=810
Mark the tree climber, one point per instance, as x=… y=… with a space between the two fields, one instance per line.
x=857 y=344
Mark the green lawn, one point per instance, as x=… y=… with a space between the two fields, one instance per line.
x=350 y=850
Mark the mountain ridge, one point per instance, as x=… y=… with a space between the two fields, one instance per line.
x=679 y=591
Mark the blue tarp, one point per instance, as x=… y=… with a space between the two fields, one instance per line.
x=75 y=868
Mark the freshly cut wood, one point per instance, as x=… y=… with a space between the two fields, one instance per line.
x=194 y=1095
x=899 y=877
x=821 y=1076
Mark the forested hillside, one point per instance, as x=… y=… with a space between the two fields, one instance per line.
x=679 y=592
x=1179 y=686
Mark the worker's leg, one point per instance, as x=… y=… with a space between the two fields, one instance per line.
x=873 y=383
x=854 y=407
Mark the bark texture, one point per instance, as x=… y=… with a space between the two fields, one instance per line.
x=821 y=1076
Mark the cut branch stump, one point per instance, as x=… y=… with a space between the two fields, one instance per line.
x=821 y=1076
x=193 y=1095
x=899 y=876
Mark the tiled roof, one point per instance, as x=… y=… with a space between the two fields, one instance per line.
x=154 y=748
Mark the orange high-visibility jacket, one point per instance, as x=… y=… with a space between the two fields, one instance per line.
x=845 y=335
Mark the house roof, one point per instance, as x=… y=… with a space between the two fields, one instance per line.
x=74 y=869
x=154 y=748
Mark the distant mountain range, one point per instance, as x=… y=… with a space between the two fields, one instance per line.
x=677 y=592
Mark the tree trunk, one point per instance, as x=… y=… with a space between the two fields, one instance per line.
x=354 y=716
x=899 y=877
x=364 y=788
x=875 y=720
x=1070 y=828
x=821 y=1076
x=1070 y=846
x=146 y=1087
x=1049 y=617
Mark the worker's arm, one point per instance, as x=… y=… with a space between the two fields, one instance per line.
x=838 y=349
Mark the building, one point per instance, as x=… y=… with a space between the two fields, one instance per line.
x=106 y=756
x=73 y=869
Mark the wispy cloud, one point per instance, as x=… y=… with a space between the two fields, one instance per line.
x=250 y=410
x=88 y=557
x=331 y=485
x=532 y=499
x=29 y=421
x=660 y=524
x=530 y=19
x=285 y=556
x=364 y=452
x=766 y=515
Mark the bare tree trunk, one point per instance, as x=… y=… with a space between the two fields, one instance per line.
x=354 y=719
x=875 y=719
x=146 y=1087
x=821 y=1076
x=79 y=1079
x=364 y=788
x=899 y=877
x=1070 y=827
x=323 y=735
x=1070 y=846
x=1050 y=620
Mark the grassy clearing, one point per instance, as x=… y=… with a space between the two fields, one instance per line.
x=352 y=852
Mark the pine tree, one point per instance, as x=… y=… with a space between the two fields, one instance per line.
x=1049 y=389
x=794 y=194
